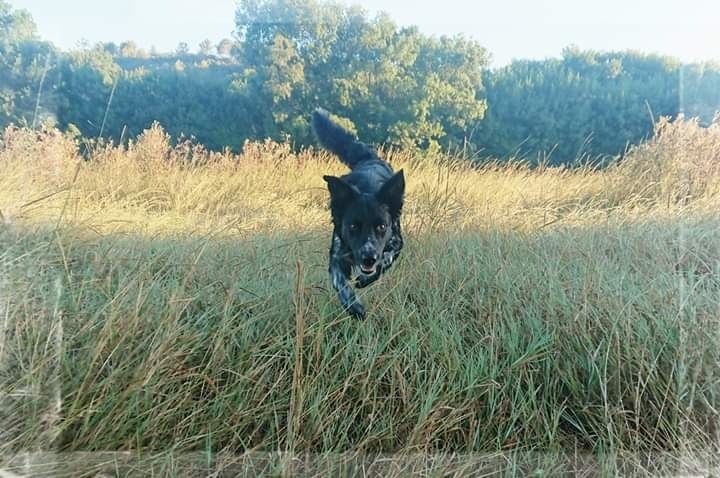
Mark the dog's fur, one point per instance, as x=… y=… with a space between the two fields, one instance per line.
x=365 y=206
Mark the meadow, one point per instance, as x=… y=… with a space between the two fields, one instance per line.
x=166 y=310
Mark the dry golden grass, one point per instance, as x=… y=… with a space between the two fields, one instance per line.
x=154 y=188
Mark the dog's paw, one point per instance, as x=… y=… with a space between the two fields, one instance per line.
x=357 y=310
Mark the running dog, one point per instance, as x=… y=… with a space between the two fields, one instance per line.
x=365 y=206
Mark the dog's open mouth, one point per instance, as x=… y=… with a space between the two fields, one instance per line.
x=368 y=270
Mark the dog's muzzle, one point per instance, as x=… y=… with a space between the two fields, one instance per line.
x=369 y=262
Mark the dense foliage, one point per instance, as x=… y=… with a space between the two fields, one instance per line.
x=24 y=64
x=590 y=102
x=390 y=84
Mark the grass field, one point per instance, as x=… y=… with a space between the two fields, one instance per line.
x=171 y=303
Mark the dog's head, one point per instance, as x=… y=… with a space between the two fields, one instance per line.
x=364 y=221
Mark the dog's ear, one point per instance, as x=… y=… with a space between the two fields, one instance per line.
x=340 y=191
x=392 y=193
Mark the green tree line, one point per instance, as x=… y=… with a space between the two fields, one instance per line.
x=390 y=84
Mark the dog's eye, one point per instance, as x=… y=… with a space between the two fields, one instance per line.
x=381 y=227
x=354 y=226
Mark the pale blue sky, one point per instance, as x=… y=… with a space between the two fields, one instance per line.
x=689 y=30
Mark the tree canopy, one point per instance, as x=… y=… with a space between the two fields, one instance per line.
x=390 y=84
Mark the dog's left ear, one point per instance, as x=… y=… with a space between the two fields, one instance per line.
x=392 y=192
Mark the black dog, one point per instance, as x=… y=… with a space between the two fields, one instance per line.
x=365 y=206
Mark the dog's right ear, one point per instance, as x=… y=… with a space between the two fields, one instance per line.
x=340 y=191
x=392 y=193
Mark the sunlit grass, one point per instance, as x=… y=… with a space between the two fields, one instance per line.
x=151 y=301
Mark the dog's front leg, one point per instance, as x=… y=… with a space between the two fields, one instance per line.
x=340 y=277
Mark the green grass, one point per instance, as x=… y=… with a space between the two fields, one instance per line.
x=182 y=312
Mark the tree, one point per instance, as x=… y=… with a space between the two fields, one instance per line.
x=585 y=103
x=398 y=84
x=129 y=49
x=88 y=77
x=182 y=49
x=224 y=47
x=25 y=63
x=16 y=25
x=110 y=47
x=206 y=47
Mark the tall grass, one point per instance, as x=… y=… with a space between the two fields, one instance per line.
x=173 y=302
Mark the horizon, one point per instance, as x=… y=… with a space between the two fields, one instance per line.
x=664 y=28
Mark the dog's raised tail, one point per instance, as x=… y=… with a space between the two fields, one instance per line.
x=338 y=140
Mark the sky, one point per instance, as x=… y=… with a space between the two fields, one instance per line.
x=509 y=29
